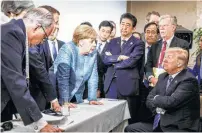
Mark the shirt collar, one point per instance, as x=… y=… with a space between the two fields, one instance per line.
x=169 y=41
x=126 y=39
x=174 y=75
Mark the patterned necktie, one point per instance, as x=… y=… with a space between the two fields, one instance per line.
x=156 y=121
x=168 y=82
x=162 y=54
x=123 y=43
x=99 y=47
x=157 y=116
x=54 y=50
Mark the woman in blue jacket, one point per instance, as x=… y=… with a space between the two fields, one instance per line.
x=76 y=64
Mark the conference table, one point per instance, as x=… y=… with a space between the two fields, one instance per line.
x=112 y=116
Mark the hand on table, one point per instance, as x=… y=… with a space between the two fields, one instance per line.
x=50 y=128
x=95 y=103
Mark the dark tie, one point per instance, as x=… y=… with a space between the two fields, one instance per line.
x=123 y=43
x=156 y=121
x=54 y=50
x=168 y=82
x=157 y=116
x=99 y=47
x=162 y=54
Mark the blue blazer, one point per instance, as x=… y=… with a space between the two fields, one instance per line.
x=73 y=70
x=129 y=72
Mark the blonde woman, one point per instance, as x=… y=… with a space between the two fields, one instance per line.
x=76 y=64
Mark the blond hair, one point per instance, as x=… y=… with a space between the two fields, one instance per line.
x=173 y=19
x=181 y=54
x=83 y=32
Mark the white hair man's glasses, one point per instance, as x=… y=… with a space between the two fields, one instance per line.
x=46 y=36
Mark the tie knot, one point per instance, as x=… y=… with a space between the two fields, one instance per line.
x=170 y=78
x=164 y=42
x=123 y=41
x=53 y=42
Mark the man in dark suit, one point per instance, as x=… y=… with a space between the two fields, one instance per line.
x=167 y=27
x=17 y=36
x=174 y=100
x=105 y=29
x=41 y=59
x=124 y=57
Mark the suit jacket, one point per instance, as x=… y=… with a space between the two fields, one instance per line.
x=13 y=82
x=153 y=55
x=41 y=87
x=102 y=69
x=181 y=101
x=72 y=70
x=129 y=72
x=46 y=55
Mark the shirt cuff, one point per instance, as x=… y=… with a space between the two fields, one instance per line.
x=55 y=100
x=40 y=124
x=151 y=76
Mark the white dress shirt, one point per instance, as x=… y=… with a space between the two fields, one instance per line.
x=51 y=47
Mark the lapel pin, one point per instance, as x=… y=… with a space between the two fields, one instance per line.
x=176 y=81
x=131 y=43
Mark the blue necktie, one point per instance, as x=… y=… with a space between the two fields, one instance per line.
x=99 y=47
x=168 y=82
x=54 y=50
x=157 y=116
x=123 y=43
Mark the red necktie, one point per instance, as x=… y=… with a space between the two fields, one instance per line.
x=162 y=54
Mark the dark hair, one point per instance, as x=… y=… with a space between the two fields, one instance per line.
x=129 y=16
x=50 y=9
x=138 y=34
x=151 y=23
x=87 y=23
x=152 y=13
x=106 y=23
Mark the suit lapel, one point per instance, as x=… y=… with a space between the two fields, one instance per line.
x=48 y=53
x=60 y=43
x=158 y=50
x=171 y=88
x=163 y=86
x=173 y=42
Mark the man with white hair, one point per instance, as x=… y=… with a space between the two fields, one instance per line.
x=174 y=100
x=16 y=37
x=167 y=27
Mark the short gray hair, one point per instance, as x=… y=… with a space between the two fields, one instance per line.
x=173 y=19
x=16 y=7
x=39 y=16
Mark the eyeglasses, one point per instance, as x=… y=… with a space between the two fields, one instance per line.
x=46 y=36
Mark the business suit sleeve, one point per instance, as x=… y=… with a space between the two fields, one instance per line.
x=149 y=64
x=134 y=58
x=184 y=92
x=37 y=68
x=62 y=66
x=150 y=100
x=93 y=82
x=15 y=82
x=109 y=59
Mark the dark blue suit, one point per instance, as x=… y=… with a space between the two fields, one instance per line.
x=41 y=88
x=14 y=89
x=125 y=77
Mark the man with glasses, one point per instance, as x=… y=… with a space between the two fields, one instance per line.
x=16 y=37
x=41 y=59
x=167 y=27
